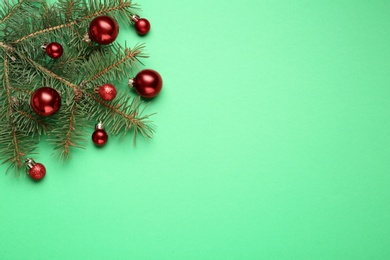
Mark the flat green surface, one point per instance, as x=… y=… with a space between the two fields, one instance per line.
x=273 y=142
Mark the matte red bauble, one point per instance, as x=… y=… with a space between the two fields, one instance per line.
x=45 y=101
x=54 y=50
x=99 y=137
x=103 y=30
x=107 y=92
x=148 y=83
x=142 y=26
x=35 y=170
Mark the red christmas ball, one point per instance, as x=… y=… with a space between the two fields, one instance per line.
x=99 y=137
x=37 y=171
x=45 y=101
x=107 y=92
x=103 y=30
x=142 y=26
x=54 y=50
x=148 y=83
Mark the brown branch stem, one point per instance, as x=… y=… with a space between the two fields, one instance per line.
x=18 y=154
x=129 y=55
x=22 y=90
x=68 y=142
x=10 y=14
x=46 y=31
x=44 y=125
x=50 y=73
x=6 y=47
x=115 y=109
x=121 y=6
x=61 y=64
x=69 y=11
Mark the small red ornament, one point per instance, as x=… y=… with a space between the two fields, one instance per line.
x=107 y=92
x=54 y=50
x=45 y=101
x=103 y=30
x=99 y=137
x=148 y=83
x=142 y=25
x=35 y=170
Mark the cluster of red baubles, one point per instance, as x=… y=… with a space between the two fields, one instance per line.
x=46 y=101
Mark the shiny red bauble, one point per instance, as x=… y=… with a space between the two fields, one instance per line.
x=36 y=170
x=54 y=50
x=148 y=83
x=45 y=101
x=103 y=30
x=107 y=92
x=142 y=26
x=99 y=137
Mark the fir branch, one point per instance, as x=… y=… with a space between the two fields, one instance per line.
x=122 y=115
x=33 y=120
x=68 y=142
x=111 y=65
x=61 y=64
x=14 y=9
x=122 y=6
x=130 y=55
x=24 y=68
x=47 y=30
x=76 y=89
x=68 y=131
x=16 y=159
x=114 y=109
x=70 y=9
x=6 y=47
x=25 y=91
x=79 y=91
x=51 y=74
x=18 y=155
x=7 y=86
x=25 y=120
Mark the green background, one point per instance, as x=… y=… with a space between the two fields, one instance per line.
x=273 y=142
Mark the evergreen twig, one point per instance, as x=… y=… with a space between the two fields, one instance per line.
x=123 y=5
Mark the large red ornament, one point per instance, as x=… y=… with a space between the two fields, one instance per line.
x=99 y=137
x=54 y=50
x=35 y=170
x=148 y=83
x=107 y=92
x=141 y=25
x=45 y=101
x=103 y=30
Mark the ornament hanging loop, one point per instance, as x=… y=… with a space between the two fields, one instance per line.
x=30 y=163
x=99 y=126
x=131 y=83
x=135 y=18
x=86 y=38
x=44 y=46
